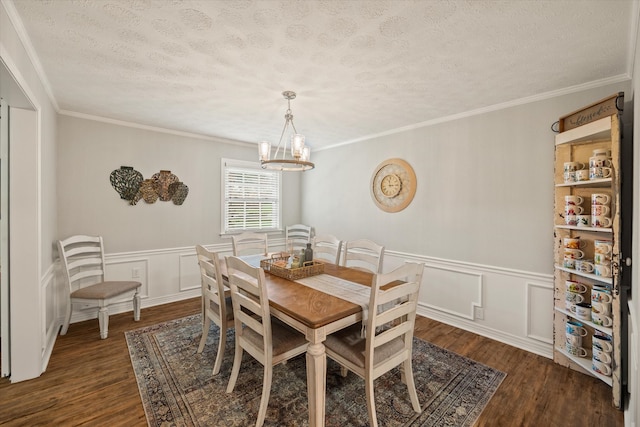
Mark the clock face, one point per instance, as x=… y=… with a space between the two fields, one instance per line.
x=393 y=185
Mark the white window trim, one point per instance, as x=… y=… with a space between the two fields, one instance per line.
x=245 y=165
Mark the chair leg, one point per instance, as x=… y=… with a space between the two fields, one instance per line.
x=222 y=341
x=235 y=370
x=266 y=391
x=103 y=319
x=205 y=333
x=371 y=400
x=411 y=385
x=136 y=306
x=343 y=371
x=67 y=319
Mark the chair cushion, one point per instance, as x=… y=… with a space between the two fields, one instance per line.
x=104 y=290
x=283 y=337
x=350 y=344
x=229 y=305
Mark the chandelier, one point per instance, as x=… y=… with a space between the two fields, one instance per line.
x=299 y=160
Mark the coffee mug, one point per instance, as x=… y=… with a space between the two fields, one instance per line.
x=583 y=311
x=573 y=297
x=601 y=307
x=600 y=199
x=601 y=259
x=601 y=368
x=602 y=342
x=573 y=210
x=573 y=166
x=583 y=175
x=574 y=242
x=600 y=355
x=569 y=262
x=602 y=246
x=586 y=266
x=574 y=327
x=601 y=295
x=598 y=319
x=576 y=287
x=595 y=173
x=574 y=340
x=576 y=350
x=583 y=220
x=598 y=221
x=602 y=270
x=599 y=161
x=570 y=220
x=573 y=199
x=569 y=177
x=573 y=253
x=599 y=210
x=604 y=152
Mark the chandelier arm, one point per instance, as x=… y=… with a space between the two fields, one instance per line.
x=284 y=149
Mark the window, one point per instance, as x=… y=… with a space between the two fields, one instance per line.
x=251 y=197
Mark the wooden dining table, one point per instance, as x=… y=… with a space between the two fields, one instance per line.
x=315 y=314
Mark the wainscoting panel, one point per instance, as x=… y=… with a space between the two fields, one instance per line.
x=539 y=308
x=453 y=291
x=189 y=272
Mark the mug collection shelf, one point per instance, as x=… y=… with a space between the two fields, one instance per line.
x=586 y=365
x=605 y=329
x=595 y=229
x=597 y=183
x=607 y=280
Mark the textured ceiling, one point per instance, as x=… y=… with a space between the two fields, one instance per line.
x=360 y=68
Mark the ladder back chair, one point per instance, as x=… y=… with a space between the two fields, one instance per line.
x=250 y=243
x=363 y=254
x=388 y=340
x=215 y=306
x=297 y=236
x=82 y=259
x=327 y=247
x=267 y=340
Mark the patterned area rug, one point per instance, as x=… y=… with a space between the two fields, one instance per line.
x=177 y=387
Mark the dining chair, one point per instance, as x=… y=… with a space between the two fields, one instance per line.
x=388 y=334
x=215 y=306
x=297 y=236
x=83 y=269
x=327 y=247
x=363 y=254
x=267 y=340
x=250 y=243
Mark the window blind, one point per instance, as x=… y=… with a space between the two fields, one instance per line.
x=251 y=198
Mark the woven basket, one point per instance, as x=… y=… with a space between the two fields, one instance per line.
x=311 y=268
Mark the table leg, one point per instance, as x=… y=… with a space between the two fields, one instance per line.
x=316 y=383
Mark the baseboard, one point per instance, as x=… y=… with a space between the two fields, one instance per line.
x=533 y=346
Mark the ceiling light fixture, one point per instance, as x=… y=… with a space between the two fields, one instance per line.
x=299 y=160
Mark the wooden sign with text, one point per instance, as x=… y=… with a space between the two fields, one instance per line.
x=603 y=108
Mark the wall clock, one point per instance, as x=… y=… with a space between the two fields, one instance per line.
x=393 y=185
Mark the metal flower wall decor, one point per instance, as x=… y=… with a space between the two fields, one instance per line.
x=131 y=186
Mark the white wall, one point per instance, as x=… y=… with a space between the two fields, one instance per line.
x=32 y=176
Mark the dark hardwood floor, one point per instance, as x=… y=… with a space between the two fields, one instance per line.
x=90 y=381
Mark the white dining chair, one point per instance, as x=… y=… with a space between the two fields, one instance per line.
x=363 y=254
x=215 y=306
x=83 y=269
x=297 y=236
x=388 y=340
x=250 y=243
x=267 y=340
x=327 y=247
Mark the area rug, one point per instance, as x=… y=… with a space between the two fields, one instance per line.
x=177 y=388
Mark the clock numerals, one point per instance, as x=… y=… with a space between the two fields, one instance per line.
x=391 y=185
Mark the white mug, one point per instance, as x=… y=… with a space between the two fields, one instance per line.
x=601 y=259
x=569 y=262
x=599 y=210
x=569 y=177
x=574 y=327
x=573 y=166
x=602 y=246
x=574 y=242
x=586 y=266
x=576 y=287
x=570 y=220
x=599 y=221
x=601 y=307
x=599 y=355
x=573 y=210
x=573 y=199
x=601 y=368
x=583 y=220
x=596 y=173
x=583 y=311
x=602 y=342
x=573 y=253
x=573 y=297
x=598 y=161
x=600 y=199
x=576 y=350
x=600 y=295
x=602 y=270
x=582 y=175
x=575 y=340
x=600 y=319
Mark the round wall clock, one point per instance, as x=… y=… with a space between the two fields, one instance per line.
x=393 y=185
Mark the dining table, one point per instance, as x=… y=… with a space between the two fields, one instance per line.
x=316 y=314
